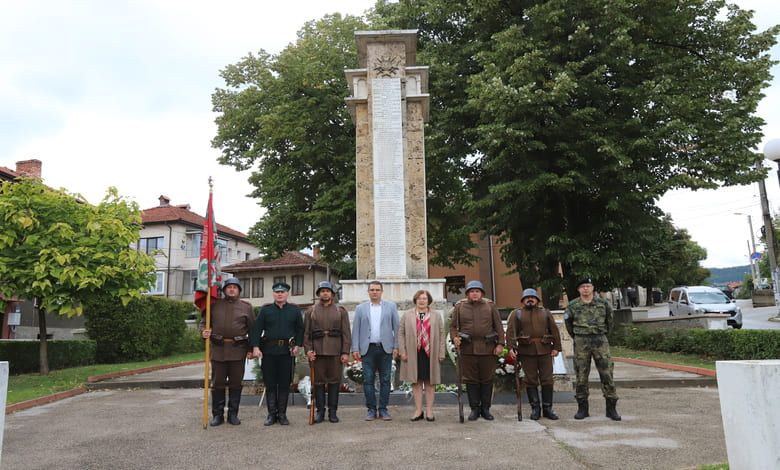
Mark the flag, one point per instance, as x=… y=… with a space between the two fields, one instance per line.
x=208 y=269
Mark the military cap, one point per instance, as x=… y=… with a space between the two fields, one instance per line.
x=281 y=287
x=586 y=280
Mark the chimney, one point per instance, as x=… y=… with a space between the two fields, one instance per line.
x=316 y=250
x=29 y=168
x=165 y=201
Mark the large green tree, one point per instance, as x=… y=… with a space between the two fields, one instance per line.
x=59 y=251
x=284 y=116
x=579 y=115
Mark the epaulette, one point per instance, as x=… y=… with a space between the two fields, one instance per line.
x=599 y=299
x=572 y=301
x=248 y=303
x=266 y=305
x=294 y=305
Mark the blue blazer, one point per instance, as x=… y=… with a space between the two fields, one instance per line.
x=361 y=325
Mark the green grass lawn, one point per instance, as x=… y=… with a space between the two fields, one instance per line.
x=667 y=358
x=29 y=386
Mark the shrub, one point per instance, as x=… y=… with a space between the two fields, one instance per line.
x=24 y=356
x=190 y=341
x=144 y=329
x=718 y=344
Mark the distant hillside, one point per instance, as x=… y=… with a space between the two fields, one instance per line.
x=726 y=275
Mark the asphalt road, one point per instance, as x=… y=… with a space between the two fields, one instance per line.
x=752 y=318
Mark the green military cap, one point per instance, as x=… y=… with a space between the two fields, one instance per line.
x=281 y=287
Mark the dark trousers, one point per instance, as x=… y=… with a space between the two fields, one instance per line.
x=328 y=370
x=538 y=369
x=277 y=370
x=376 y=359
x=478 y=369
x=227 y=374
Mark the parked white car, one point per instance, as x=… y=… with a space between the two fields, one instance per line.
x=698 y=300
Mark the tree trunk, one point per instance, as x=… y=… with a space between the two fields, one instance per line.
x=42 y=351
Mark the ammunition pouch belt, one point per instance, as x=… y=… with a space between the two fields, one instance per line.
x=316 y=334
x=219 y=339
x=464 y=337
x=523 y=339
x=492 y=338
x=334 y=332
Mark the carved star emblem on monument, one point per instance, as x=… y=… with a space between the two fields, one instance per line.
x=387 y=66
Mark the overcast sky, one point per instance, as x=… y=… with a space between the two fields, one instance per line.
x=119 y=94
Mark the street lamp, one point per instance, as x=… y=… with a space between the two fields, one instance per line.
x=753 y=262
x=772 y=152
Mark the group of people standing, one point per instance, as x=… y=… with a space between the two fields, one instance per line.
x=379 y=336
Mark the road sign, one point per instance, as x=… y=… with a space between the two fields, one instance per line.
x=755 y=255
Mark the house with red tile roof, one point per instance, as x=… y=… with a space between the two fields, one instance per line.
x=301 y=271
x=171 y=234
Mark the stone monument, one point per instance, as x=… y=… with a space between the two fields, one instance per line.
x=389 y=105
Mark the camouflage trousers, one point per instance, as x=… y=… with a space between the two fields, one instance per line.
x=596 y=347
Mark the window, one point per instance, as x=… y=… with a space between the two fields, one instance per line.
x=257 y=287
x=223 y=251
x=159 y=284
x=189 y=280
x=297 y=285
x=193 y=245
x=280 y=279
x=148 y=245
x=244 y=288
x=246 y=257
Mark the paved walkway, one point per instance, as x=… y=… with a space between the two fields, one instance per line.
x=669 y=422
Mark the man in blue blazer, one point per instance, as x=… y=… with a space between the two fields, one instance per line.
x=375 y=341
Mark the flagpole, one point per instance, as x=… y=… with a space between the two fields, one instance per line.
x=208 y=327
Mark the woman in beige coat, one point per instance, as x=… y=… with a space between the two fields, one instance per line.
x=421 y=346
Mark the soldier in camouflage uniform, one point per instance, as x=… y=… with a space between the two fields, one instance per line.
x=588 y=320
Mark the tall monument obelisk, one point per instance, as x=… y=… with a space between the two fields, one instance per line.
x=389 y=104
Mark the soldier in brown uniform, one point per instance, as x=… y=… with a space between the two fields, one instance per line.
x=476 y=329
x=231 y=322
x=534 y=339
x=326 y=339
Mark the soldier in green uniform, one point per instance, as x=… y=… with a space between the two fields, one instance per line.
x=276 y=338
x=588 y=320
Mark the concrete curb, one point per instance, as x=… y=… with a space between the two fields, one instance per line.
x=95 y=378
x=43 y=400
x=124 y=373
x=661 y=365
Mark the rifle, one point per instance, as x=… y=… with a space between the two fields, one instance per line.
x=460 y=385
x=313 y=395
x=519 y=387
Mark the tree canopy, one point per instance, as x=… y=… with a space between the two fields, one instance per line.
x=554 y=125
x=580 y=115
x=62 y=251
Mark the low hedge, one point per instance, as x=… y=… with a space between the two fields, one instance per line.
x=23 y=356
x=144 y=329
x=718 y=344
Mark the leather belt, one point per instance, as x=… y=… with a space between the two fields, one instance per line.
x=536 y=340
x=278 y=342
x=376 y=344
x=227 y=340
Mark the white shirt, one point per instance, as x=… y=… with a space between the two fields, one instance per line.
x=375 y=321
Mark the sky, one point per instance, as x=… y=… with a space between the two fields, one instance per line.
x=119 y=94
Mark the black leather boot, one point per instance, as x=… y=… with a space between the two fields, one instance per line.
x=217 y=407
x=234 y=399
x=282 y=414
x=533 y=401
x=611 y=411
x=547 y=401
x=333 y=402
x=582 y=408
x=472 y=391
x=319 y=398
x=486 y=396
x=272 y=403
